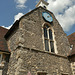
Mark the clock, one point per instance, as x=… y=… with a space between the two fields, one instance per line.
x=47 y=16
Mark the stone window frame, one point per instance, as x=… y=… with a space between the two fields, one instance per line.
x=55 y=47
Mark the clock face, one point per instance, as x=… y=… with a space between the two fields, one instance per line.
x=47 y=16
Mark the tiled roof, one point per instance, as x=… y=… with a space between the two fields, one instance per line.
x=71 y=39
x=3 y=44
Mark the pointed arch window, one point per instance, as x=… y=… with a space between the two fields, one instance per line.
x=48 y=38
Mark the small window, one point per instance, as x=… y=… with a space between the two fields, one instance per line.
x=48 y=39
x=40 y=73
x=64 y=74
x=54 y=73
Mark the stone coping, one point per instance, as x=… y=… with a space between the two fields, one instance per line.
x=58 y=55
x=51 y=53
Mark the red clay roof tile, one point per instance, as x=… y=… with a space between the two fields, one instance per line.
x=71 y=39
x=3 y=44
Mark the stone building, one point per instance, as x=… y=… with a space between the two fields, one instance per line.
x=4 y=52
x=71 y=55
x=38 y=45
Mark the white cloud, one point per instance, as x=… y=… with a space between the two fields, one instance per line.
x=16 y=17
x=20 y=3
x=64 y=12
x=7 y=27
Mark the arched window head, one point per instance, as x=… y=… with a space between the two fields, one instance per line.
x=48 y=38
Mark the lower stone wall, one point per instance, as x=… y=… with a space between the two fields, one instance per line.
x=24 y=61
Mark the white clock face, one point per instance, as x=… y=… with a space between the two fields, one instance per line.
x=47 y=16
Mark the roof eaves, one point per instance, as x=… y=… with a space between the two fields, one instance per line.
x=11 y=29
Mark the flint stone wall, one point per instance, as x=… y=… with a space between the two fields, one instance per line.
x=29 y=35
x=25 y=60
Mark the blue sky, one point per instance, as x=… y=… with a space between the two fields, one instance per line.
x=64 y=11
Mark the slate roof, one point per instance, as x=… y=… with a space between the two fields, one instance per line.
x=3 y=44
x=71 y=39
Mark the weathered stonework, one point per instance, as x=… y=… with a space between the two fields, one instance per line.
x=27 y=47
x=26 y=60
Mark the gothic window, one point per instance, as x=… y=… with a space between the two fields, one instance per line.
x=48 y=38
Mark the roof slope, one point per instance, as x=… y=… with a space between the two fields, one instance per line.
x=71 y=39
x=3 y=44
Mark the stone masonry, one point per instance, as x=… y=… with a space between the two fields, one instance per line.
x=27 y=47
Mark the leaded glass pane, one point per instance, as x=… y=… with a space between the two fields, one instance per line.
x=46 y=45
x=50 y=34
x=45 y=33
x=52 y=46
